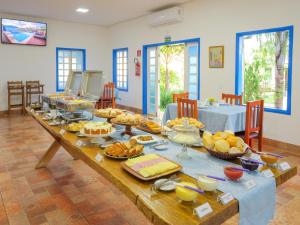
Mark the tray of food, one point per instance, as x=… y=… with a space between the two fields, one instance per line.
x=75 y=127
x=124 y=150
x=183 y=121
x=224 y=145
x=151 y=166
x=75 y=104
x=150 y=127
x=108 y=112
x=145 y=139
x=97 y=129
x=128 y=119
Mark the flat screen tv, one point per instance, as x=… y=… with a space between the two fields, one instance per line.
x=23 y=32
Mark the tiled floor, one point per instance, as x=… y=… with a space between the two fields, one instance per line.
x=69 y=192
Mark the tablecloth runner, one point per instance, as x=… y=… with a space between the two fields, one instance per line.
x=256 y=206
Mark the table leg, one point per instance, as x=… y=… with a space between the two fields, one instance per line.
x=48 y=155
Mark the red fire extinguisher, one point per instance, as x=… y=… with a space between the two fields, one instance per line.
x=137 y=67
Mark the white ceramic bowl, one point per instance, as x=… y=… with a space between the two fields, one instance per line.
x=207 y=184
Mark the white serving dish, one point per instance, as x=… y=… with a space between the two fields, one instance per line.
x=154 y=139
x=207 y=184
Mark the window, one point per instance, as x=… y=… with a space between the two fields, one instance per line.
x=264 y=67
x=120 y=68
x=67 y=60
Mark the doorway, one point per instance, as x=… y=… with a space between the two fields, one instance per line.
x=169 y=68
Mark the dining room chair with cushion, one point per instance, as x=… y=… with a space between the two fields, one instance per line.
x=180 y=95
x=254 y=122
x=187 y=108
x=108 y=97
x=232 y=99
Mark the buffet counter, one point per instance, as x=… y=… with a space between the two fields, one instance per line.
x=160 y=208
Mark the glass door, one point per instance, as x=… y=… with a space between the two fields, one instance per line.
x=153 y=78
x=191 y=80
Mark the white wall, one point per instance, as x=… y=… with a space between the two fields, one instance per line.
x=39 y=63
x=216 y=22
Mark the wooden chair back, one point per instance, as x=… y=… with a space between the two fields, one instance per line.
x=254 y=121
x=187 y=108
x=14 y=87
x=232 y=99
x=108 y=92
x=108 y=97
x=180 y=95
x=14 y=83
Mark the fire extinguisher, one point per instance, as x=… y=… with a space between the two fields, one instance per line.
x=137 y=67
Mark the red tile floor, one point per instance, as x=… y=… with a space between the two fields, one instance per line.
x=70 y=193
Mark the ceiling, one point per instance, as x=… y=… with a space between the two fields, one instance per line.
x=102 y=12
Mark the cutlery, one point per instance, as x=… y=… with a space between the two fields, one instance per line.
x=267 y=153
x=190 y=188
x=240 y=169
x=213 y=177
x=251 y=160
x=272 y=154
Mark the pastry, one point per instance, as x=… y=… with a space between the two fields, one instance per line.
x=129 y=118
x=108 y=112
x=125 y=149
x=75 y=127
x=150 y=125
x=145 y=138
x=183 y=120
x=97 y=128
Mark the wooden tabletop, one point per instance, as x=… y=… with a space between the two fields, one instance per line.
x=160 y=208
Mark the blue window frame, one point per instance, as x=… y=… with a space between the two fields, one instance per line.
x=145 y=66
x=245 y=42
x=68 y=59
x=120 y=68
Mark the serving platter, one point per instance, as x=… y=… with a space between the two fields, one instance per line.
x=122 y=158
x=154 y=139
x=147 y=130
x=113 y=130
x=139 y=176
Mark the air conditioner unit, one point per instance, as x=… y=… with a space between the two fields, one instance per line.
x=167 y=16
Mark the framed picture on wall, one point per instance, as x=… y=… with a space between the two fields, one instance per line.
x=216 y=57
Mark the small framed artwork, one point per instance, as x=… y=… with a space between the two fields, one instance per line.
x=216 y=57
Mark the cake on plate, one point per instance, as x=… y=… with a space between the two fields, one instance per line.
x=97 y=128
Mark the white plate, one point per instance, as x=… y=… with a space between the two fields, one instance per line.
x=161 y=147
x=145 y=142
x=113 y=130
x=168 y=186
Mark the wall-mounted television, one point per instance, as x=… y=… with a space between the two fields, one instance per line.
x=23 y=32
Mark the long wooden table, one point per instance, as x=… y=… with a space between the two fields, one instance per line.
x=161 y=208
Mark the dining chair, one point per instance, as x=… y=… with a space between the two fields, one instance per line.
x=254 y=122
x=232 y=99
x=108 y=97
x=15 y=88
x=33 y=88
x=187 y=108
x=180 y=95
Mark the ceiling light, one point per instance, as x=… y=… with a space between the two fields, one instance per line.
x=82 y=10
